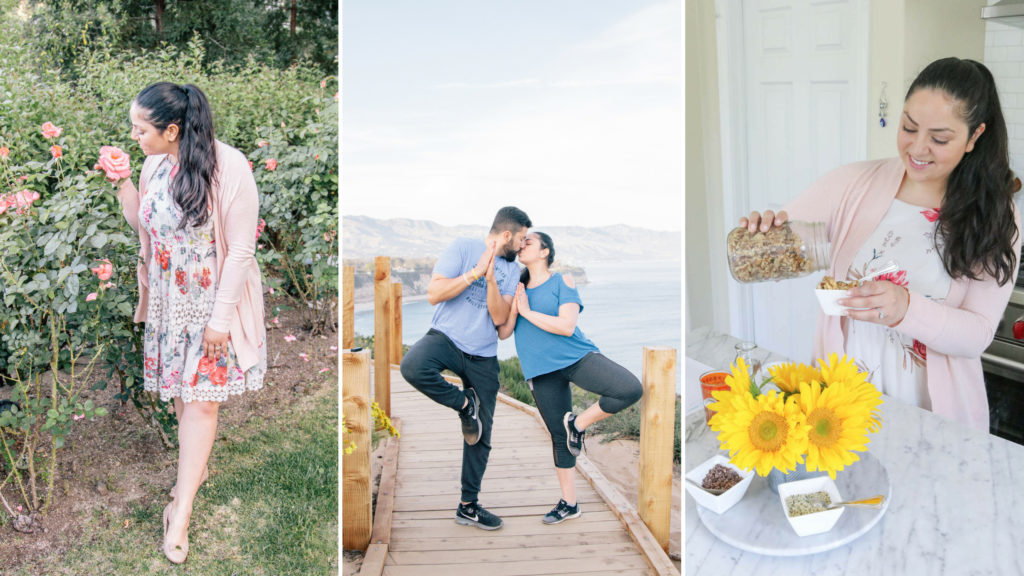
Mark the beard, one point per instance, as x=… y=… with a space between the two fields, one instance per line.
x=508 y=252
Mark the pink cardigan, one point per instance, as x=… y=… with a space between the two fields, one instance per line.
x=238 y=309
x=852 y=200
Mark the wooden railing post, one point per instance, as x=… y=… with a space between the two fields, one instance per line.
x=396 y=323
x=657 y=434
x=348 y=319
x=356 y=496
x=381 y=329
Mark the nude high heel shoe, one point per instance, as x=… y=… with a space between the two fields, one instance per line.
x=179 y=552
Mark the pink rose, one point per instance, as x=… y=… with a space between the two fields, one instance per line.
x=260 y=227
x=250 y=165
x=4 y=152
x=50 y=131
x=262 y=143
x=271 y=164
x=104 y=270
x=114 y=162
x=323 y=83
x=92 y=296
x=56 y=151
x=19 y=200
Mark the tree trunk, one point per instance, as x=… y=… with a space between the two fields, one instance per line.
x=159 y=6
x=294 y=11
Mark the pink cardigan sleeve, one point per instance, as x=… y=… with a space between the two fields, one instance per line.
x=238 y=203
x=964 y=331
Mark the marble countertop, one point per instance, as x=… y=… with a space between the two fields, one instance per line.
x=957 y=504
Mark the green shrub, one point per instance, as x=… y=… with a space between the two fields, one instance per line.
x=510 y=375
x=296 y=173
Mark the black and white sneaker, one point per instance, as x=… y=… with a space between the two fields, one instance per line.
x=470 y=416
x=562 y=512
x=473 y=514
x=574 y=438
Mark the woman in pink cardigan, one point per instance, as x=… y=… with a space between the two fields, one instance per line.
x=200 y=293
x=944 y=210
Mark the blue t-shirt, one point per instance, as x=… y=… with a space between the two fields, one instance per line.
x=465 y=319
x=540 y=351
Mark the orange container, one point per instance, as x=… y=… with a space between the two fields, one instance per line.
x=709 y=382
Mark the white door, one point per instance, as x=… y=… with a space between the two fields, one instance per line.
x=805 y=73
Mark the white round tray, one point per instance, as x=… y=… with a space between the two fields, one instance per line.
x=758 y=524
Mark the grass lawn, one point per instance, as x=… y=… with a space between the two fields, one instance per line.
x=270 y=506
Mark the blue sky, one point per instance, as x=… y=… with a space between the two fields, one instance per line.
x=569 y=109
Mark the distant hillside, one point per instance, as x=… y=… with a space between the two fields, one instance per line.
x=365 y=237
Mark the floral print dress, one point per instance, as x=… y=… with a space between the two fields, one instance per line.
x=897 y=363
x=182 y=292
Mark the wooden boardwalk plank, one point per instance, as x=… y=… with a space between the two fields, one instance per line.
x=520 y=485
x=631 y=564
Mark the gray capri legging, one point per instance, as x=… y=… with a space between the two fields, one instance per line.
x=618 y=389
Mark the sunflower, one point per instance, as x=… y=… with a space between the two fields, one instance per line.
x=838 y=418
x=788 y=376
x=763 y=433
x=841 y=370
x=739 y=388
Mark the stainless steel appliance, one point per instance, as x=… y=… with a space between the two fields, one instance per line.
x=1003 y=363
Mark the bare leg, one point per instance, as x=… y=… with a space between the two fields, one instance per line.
x=589 y=416
x=179 y=408
x=197 y=429
x=567 y=481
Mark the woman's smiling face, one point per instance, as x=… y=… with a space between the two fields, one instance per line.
x=933 y=137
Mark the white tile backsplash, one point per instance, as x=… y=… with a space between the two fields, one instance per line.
x=1004 y=55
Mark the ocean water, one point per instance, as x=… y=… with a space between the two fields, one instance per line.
x=626 y=306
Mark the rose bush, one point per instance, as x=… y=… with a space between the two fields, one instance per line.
x=60 y=318
x=298 y=186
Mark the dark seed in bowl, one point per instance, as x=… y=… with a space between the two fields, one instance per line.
x=720 y=478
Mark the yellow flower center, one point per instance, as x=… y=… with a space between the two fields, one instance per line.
x=768 y=431
x=824 y=427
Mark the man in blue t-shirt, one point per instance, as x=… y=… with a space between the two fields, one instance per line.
x=472 y=286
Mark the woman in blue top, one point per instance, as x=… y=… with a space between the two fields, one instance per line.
x=553 y=352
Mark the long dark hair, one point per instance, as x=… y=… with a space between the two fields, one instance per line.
x=545 y=243
x=977 y=213
x=166 y=103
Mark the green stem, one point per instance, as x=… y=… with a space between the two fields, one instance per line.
x=54 y=361
x=14 y=467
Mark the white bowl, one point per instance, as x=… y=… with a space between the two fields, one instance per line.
x=817 y=522
x=828 y=300
x=725 y=500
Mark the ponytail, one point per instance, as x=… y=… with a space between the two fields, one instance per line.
x=166 y=103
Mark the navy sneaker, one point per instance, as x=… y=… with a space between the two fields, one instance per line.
x=574 y=438
x=562 y=512
x=473 y=515
x=470 y=416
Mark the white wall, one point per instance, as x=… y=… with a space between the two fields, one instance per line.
x=1004 y=56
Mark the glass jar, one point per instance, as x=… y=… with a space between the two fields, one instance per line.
x=792 y=250
x=752 y=356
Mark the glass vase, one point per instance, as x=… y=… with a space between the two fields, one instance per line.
x=776 y=477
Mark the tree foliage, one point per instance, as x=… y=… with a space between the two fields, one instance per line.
x=233 y=30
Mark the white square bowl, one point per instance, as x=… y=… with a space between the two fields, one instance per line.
x=828 y=300
x=725 y=500
x=817 y=522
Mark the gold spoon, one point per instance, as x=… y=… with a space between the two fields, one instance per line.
x=873 y=502
x=714 y=491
